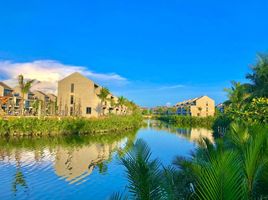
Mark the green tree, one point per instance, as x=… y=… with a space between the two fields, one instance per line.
x=121 y=102
x=104 y=92
x=259 y=77
x=237 y=95
x=25 y=87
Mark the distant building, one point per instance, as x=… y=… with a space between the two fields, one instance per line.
x=199 y=107
x=220 y=107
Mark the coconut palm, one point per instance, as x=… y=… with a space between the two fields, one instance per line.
x=121 y=102
x=238 y=94
x=143 y=173
x=259 y=77
x=104 y=92
x=25 y=87
x=233 y=169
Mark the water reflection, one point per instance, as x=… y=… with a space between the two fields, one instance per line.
x=192 y=134
x=75 y=164
x=71 y=158
x=66 y=167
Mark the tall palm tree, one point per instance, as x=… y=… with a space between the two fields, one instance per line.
x=25 y=87
x=237 y=94
x=104 y=92
x=259 y=77
x=121 y=102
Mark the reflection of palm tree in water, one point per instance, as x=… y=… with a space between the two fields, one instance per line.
x=19 y=179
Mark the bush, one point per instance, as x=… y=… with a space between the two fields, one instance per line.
x=65 y=126
x=188 y=121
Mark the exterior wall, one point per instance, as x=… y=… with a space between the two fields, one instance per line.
x=40 y=96
x=200 y=107
x=84 y=95
x=1 y=91
x=204 y=107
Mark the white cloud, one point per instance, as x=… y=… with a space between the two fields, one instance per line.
x=49 y=72
x=171 y=87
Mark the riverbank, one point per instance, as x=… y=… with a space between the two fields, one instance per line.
x=30 y=126
x=188 y=121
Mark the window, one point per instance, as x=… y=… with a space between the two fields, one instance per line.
x=72 y=87
x=72 y=100
x=88 y=110
x=71 y=111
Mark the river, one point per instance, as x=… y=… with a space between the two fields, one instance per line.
x=80 y=167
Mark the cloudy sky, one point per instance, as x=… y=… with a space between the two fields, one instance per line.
x=152 y=52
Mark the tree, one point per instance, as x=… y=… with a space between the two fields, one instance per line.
x=25 y=87
x=238 y=94
x=121 y=102
x=259 y=77
x=104 y=92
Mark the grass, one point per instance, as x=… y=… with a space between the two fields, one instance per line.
x=67 y=126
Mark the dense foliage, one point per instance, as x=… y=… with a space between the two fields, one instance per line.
x=65 y=126
x=188 y=121
x=249 y=102
x=235 y=167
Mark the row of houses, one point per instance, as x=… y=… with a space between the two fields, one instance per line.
x=202 y=106
x=34 y=101
x=77 y=96
x=198 y=107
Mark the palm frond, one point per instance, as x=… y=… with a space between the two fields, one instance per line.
x=118 y=196
x=143 y=173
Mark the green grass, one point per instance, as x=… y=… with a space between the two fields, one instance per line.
x=67 y=126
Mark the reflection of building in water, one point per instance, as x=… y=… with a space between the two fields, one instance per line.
x=25 y=156
x=196 y=134
x=77 y=163
x=193 y=134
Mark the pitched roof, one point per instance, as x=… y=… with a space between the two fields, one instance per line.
x=40 y=92
x=5 y=86
x=189 y=101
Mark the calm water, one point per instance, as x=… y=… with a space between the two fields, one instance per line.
x=83 y=167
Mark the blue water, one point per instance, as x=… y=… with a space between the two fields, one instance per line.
x=87 y=171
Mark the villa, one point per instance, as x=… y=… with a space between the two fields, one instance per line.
x=11 y=101
x=78 y=96
x=199 y=107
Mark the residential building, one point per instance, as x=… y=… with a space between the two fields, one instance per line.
x=200 y=107
x=78 y=95
x=5 y=90
x=220 y=107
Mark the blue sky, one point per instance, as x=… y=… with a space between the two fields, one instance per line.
x=153 y=52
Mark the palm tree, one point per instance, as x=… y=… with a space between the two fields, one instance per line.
x=104 y=92
x=233 y=168
x=25 y=88
x=143 y=173
x=238 y=94
x=121 y=102
x=259 y=77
